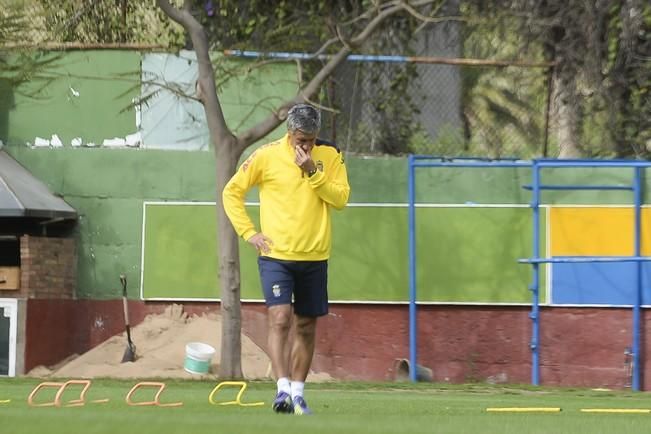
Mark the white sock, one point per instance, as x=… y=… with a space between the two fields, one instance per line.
x=283 y=385
x=297 y=388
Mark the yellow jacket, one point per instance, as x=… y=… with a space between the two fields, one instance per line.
x=294 y=208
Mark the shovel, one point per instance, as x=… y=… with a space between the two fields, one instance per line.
x=130 y=351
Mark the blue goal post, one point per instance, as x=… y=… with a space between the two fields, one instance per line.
x=536 y=187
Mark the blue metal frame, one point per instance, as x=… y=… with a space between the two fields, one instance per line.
x=535 y=284
x=415 y=161
x=637 y=307
x=535 y=261
x=412 y=270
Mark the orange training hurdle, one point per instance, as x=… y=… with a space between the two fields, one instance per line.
x=57 y=402
x=156 y=401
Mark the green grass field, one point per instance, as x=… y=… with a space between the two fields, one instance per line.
x=339 y=407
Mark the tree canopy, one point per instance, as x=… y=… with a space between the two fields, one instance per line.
x=600 y=85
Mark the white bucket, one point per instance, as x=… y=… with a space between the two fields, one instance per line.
x=197 y=357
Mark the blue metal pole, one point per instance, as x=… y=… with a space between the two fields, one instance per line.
x=584 y=259
x=637 y=191
x=307 y=56
x=592 y=163
x=412 y=270
x=479 y=164
x=535 y=311
x=581 y=187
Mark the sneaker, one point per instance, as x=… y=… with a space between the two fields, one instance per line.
x=300 y=406
x=283 y=403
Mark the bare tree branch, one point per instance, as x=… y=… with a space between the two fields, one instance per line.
x=426 y=19
x=325 y=46
x=341 y=38
x=299 y=72
x=206 y=82
x=375 y=23
x=270 y=123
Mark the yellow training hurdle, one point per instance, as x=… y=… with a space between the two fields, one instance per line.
x=238 y=398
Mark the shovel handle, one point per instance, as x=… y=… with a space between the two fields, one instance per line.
x=123 y=281
x=125 y=305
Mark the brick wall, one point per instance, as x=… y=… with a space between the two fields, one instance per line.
x=48 y=267
x=580 y=347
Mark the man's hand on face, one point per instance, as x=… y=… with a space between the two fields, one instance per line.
x=303 y=144
x=261 y=242
x=304 y=159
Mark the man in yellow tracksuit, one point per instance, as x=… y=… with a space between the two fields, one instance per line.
x=300 y=179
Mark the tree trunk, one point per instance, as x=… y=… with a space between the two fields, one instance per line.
x=567 y=110
x=230 y=365
x=227 y=152
x=619 y=91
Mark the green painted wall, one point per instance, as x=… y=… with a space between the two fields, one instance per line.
x=483 y=185
x=465 y=254
x=108 y=186
x=82 y=94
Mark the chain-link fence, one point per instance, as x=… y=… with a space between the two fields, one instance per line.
x=439 y=109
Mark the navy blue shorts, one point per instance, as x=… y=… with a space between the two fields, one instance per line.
x=306 y=281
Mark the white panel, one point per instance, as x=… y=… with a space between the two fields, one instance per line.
x=170 y=120
x=10 y=306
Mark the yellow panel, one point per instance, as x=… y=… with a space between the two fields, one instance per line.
x=596 y=231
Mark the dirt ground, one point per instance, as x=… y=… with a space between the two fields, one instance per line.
x=160 y=349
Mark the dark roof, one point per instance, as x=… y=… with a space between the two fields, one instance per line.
x=22 y=195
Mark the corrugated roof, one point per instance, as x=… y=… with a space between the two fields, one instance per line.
x=22 y=195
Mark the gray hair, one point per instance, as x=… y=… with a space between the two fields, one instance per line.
x=304 y=117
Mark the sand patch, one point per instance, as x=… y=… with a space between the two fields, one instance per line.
x=160 y=348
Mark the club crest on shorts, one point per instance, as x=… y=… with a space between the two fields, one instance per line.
x=276 y=290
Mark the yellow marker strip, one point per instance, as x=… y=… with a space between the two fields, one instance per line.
x=100 y=401
x=524 y=409
x=238 y=399
x=616 y=410
x=5 y=401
